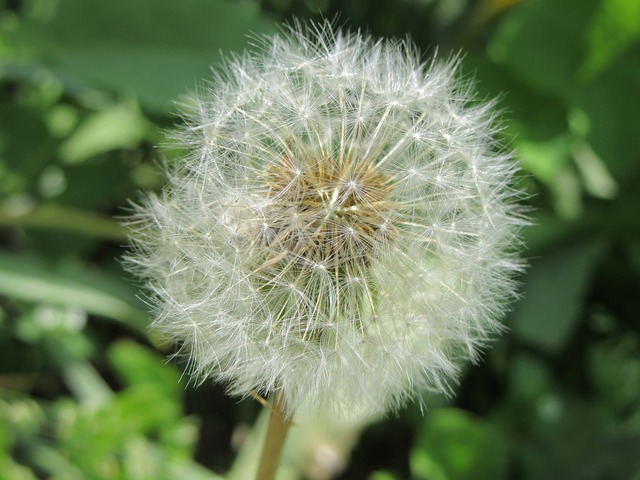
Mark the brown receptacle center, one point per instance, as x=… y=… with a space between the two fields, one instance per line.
x=328 y=214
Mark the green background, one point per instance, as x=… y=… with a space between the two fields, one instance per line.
x=87 y=90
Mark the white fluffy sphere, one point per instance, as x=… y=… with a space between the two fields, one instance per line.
x=342 y=230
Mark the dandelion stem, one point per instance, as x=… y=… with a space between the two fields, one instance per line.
x=279 y=424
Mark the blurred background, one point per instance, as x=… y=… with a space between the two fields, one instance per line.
x=87 y=90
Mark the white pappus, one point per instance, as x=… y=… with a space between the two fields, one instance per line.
x=343 y=230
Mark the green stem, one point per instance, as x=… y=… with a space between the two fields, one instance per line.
x=279 y=424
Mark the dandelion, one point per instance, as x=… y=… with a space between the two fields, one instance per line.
x=341 y=231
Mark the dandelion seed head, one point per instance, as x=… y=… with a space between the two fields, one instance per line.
x=343 y=230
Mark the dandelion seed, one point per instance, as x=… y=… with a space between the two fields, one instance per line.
x=342 y=231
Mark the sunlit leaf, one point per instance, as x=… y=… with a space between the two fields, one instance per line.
x=137 y=365
x=382 y=476
x=120 y=126
x=615 y=26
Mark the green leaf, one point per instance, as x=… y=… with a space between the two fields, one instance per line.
x=25 y=147
x=542 y=41
x=615 y=26
x=595 y=176
x=614 y=368
x=609 y=102
x=147 y=408
x=190 y=470
x=26 y=279
x=545 y=159
x=455 y=445
x=529 y=377
x=572 y=438
x=119 y=126
x=138 y=365
x=87 y=385
x=20 y=211
x=181 y=437
x=155 y=48
x=382 y=475
x=553 y=292
x=109 y=435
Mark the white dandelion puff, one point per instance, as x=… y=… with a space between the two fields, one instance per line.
x=343 y=231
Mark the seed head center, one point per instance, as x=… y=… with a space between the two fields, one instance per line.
x=329 y=212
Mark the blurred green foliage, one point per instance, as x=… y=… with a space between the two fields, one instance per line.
x=86 y=91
